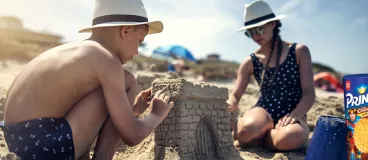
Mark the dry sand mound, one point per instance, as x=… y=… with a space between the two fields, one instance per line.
x=326 y=104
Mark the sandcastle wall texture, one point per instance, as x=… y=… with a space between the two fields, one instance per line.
x=145 y=79
x=198 y=126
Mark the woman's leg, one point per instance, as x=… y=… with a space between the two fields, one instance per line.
x=252 y=126
x=290 y=137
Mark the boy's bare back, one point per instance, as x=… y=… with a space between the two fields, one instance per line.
x=70 y=95
x=54 y=81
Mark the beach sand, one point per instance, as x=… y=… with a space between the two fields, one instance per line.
x=326 y=104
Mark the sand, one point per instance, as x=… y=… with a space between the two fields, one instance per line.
x=326 y=104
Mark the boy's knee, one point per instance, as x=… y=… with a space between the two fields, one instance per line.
x=130 y=86
x=129 y=77
x=97 y=95
x=130 y=81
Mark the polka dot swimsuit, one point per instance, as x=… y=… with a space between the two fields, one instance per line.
x=284 y=93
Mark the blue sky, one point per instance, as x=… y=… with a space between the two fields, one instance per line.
x=335 y=31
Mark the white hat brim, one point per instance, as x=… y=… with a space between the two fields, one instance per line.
x=262 y=22
x=154 y=26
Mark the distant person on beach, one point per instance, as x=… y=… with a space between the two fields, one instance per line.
x=70 y=94
x=284 y=73
x=201 y=77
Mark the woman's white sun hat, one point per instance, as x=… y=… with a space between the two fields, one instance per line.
x=257 y=14
x=109 y=13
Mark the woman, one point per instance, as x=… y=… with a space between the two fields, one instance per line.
x=284 y=72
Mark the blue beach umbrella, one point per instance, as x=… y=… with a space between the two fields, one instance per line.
x=174 y=51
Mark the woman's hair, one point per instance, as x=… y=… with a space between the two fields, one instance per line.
x=276 y=42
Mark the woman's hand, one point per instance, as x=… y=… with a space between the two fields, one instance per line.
x=286 y=120
x=142 y=101
x=232 y=104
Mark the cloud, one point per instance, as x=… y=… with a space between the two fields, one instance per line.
x=211 y=25
x=59 y=17
x=82 y=4
x=198 y=25
x=288 y=6
x=201 y=29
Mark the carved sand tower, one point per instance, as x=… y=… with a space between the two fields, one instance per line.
x=197 y=127
x=145 y=79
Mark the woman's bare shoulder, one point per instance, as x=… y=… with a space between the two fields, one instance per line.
x=247 y=65
x=302 y=52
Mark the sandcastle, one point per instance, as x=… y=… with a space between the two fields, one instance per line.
x=145 y=79
x=197 y=127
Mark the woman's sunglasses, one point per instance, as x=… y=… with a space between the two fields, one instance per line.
x=254 y=31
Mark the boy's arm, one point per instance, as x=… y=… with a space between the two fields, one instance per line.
x=110 y=73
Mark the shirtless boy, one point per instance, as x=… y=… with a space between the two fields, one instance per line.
x=73 y=93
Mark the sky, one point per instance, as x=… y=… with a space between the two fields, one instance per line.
x=335 y=31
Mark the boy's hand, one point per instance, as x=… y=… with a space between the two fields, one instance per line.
x=142 y=101
x=160 y=104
